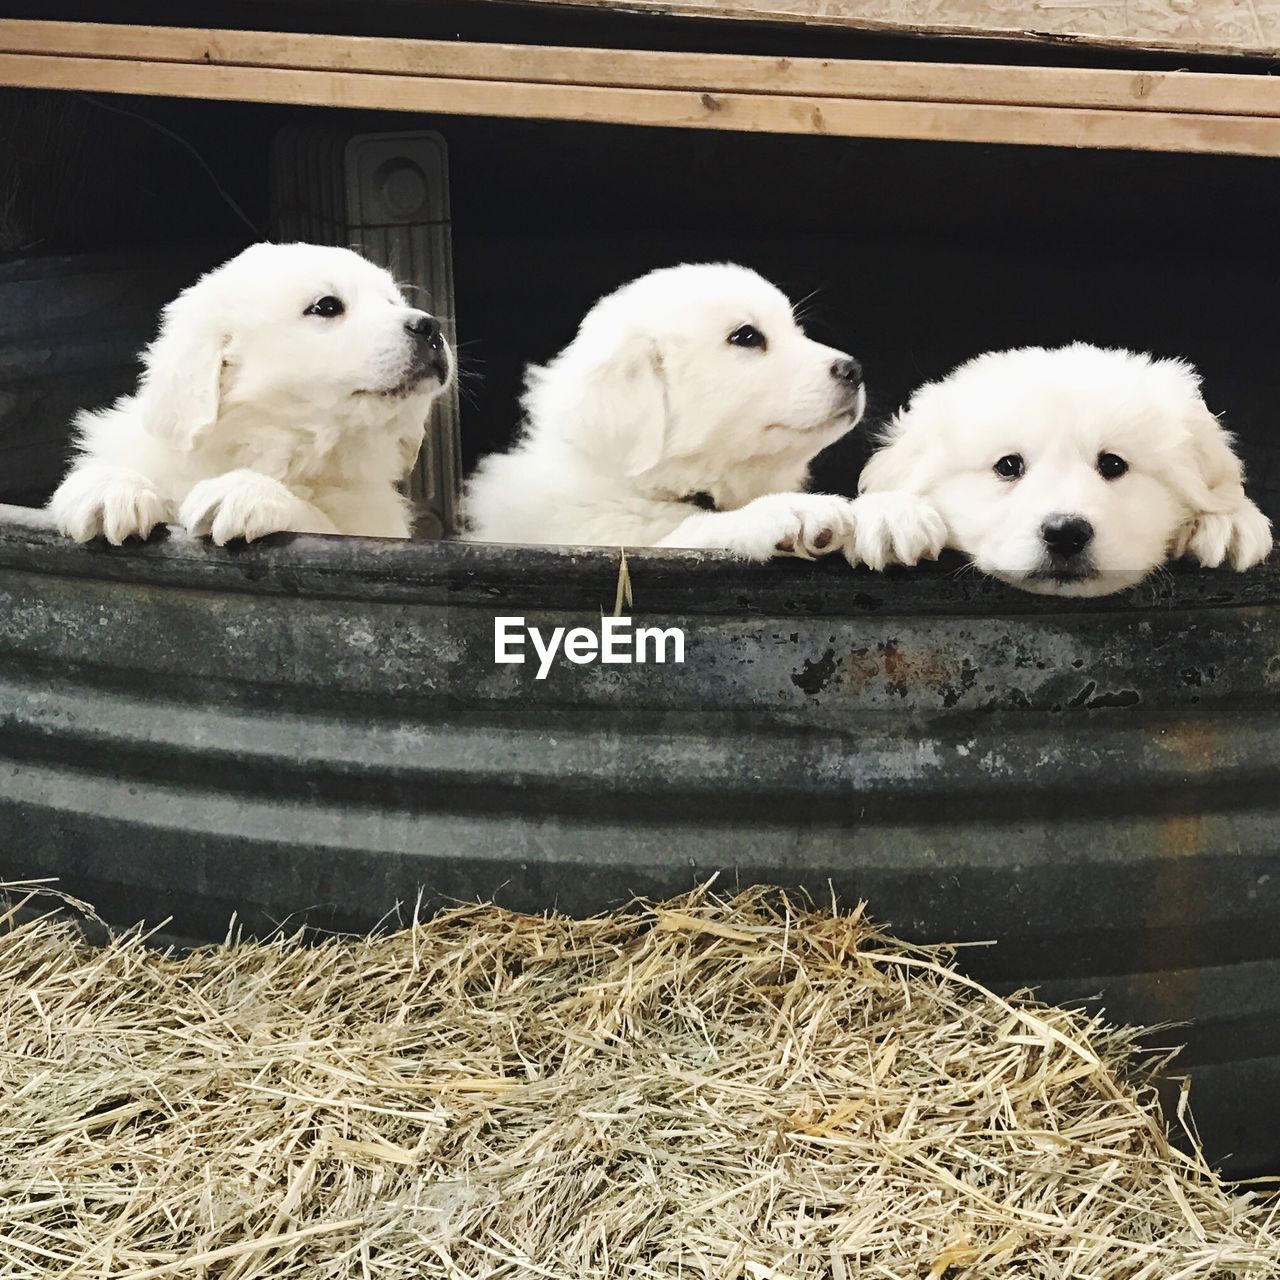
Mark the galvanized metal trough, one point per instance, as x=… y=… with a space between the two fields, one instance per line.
x=315 y=729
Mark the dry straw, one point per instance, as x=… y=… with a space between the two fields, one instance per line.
x=698 y=1089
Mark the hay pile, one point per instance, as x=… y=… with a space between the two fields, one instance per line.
x=744 y=1090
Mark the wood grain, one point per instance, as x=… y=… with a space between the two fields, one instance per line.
x=952 y=102
x=1180 y=26
x=1197 y=92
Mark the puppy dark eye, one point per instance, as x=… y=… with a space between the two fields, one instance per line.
x=1111 y=466
x=328 y=307
x=1010 y=467
x=747 y=335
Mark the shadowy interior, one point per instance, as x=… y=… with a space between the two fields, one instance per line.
x=912 y=255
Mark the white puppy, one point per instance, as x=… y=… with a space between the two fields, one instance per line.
x=288 y=389
x=1074 y=471
x=685 y=413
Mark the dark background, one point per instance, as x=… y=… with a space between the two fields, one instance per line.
x=916 y=255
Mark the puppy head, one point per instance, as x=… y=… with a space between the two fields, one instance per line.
x=693 y=363
x=292 y=328
x=1067 y=472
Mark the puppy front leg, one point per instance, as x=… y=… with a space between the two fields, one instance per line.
x=369 y=513
x=247 y=504
x=798 y=524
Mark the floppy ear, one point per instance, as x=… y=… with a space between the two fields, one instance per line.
x=1224 y=524
x=1211 y=478
x=626 y=403
x=613 y=401
x=901 y=461
x=181 y=384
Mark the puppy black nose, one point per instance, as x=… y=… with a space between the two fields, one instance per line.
x=848 y=371
x=1066 y=536
x=426 y=329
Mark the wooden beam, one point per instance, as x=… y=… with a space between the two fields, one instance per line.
x=1231 y=27
x=1195 y=92
x=654 y=89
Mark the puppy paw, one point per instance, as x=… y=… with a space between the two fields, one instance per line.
x=805 y=525
x=97 y=500
x=894 y=528
x=246 y=504
x=1242 y=537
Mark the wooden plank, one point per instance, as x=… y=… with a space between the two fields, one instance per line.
x=1247 y=27
x=1179 y=91
x=674 y=108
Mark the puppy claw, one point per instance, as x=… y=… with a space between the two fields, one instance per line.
x=132 y=515
x=1242 y=537
x=196 y=513
x=803 y=525
x=895 y=528
x=97 y=500
x=1251 y=540
x=247 y=505
x=1210 y=539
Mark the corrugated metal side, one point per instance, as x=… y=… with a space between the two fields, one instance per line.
x=317 y=727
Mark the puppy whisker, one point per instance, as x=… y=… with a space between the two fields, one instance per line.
x=468 y=394
x=424 y=298
x=801 y=311
x=467 y=368
x=1159 y=584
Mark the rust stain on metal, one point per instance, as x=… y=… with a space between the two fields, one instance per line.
x=1182 y=835
x=909 y=669
x=916 y=666
x=1174 y=949
x=1192 y=741
x=861 y=666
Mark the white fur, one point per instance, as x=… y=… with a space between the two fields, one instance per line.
x=1060 y=409
x=253 y=417
x=651 y=402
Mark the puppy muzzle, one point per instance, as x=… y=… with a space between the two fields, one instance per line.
x=430 y=358
x=433 y=368
x=427 y=363
x=850 y=387
x=1066 y=540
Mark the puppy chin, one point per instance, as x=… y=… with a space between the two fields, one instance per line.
x=417 y=380
x=831 y=429
x=1078 y=584
x=847 y=415
x=837 y=422
x=859 y=406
